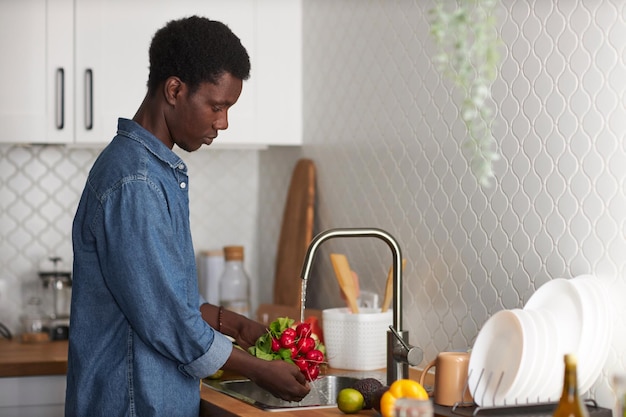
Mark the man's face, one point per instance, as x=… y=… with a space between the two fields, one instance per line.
x=196 y=118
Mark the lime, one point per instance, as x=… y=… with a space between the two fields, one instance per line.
x=350 y=401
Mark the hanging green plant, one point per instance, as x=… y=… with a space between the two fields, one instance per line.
x=467 y=39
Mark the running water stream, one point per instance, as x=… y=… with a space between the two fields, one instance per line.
x=302 y=300
x=316 y=393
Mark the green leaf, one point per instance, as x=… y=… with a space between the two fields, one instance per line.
x=466 y=35
x=265 y=356
x=284 y=353
x=279 y=325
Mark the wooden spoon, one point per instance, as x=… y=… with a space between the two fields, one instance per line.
x=389 y=288
x=345 y=279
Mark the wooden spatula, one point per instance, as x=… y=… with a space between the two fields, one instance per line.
x=345 y=279
x=389 y=288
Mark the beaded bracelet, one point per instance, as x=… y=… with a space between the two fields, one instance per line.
x=220 y=313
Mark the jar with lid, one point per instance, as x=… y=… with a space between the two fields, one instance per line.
x=35 y=322
x=234 y=284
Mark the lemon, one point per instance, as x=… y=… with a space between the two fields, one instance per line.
x=350 y=401
x=217 y=375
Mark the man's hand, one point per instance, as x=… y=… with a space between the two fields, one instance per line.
x=284 y=380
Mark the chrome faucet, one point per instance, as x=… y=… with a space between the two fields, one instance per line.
x=399 y=353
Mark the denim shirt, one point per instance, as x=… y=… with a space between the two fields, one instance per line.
x=138 y=345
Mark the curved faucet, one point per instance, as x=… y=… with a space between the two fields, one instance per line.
x=399 y=353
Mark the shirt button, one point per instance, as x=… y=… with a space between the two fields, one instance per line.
x=181 y=167
x=183 y=185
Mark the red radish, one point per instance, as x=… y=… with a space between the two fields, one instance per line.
x=294 y=351
x=316 y=329
x=275 y=344
x=315 y=356
x=303 y=330
x=287 y=340
x=305 y=344
x=290 y=332
x=312 y=372
x=301 y=363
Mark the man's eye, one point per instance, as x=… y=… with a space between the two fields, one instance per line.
x=217 y=109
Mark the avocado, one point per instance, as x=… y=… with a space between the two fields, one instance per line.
x=367 y=387
x=377 y=395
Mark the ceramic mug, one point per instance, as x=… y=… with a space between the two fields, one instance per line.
x=450 y=378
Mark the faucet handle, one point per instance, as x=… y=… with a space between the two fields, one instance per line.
x=411 y=355
x=397 y=335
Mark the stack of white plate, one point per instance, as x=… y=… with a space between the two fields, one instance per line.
x=518 y=355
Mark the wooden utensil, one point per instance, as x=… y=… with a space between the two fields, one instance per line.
x=357 y=287
x=389 y=288
x=295 y=235
x=345 y=279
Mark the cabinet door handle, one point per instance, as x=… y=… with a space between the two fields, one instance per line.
x=59 y=111
x=88 y=99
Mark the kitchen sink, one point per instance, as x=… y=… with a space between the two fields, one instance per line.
x=323 y=393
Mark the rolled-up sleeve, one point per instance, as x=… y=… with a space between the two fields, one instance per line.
x=212 y=360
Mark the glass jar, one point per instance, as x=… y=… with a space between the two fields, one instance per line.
x=35 y=323
x=234 y=283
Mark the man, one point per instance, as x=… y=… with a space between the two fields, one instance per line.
x=140 y=339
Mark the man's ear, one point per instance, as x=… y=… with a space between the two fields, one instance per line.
x=172 y=89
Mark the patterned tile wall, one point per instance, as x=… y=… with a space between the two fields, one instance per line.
x=383 y=128
x=40 y=187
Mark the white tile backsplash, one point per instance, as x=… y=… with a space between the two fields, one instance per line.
x=383 y=128
x=40 y=187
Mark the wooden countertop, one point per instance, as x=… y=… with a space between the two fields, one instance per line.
x=50 y=358
x=32 y=359
x=215 y=404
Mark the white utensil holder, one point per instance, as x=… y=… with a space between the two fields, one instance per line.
x=356 y=341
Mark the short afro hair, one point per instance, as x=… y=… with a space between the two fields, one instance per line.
x=196 y=50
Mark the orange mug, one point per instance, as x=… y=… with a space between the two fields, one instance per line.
x=450 y=378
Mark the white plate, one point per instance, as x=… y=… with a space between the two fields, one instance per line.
x=560 y=297
x=547 y=356
x=596 y=330
x=495 y=359
x=531 y=365
x=562 y=300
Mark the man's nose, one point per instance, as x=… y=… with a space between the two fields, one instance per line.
x=222 y=122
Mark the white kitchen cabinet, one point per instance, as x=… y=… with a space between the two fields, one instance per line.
x=110 y=41
x=32 y=396
x=36 y=46
x=277 y=72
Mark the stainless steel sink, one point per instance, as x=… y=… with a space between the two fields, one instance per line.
x=323 y=393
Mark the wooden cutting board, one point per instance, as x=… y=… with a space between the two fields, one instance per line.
x=295 y=235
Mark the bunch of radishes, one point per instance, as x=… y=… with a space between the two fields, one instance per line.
x=294 y=343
